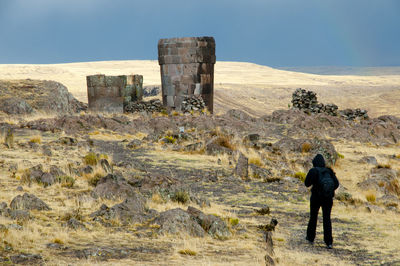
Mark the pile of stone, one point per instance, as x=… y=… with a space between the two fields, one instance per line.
x=330 y=109
x=192 y=103
x=152 y=106
x=351 y=114
x=307 y=101
x=149 y=91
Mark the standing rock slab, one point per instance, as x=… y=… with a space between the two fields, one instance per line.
x=28 y=202
x=242 y=167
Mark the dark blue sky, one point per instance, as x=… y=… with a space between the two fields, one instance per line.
x=269 y=32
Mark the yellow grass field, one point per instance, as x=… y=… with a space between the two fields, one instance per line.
x=256 y=89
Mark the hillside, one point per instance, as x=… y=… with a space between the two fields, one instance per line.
x=256 y=89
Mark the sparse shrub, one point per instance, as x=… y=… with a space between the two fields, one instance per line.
x=370 y=196
x=76 y=214
x=169 y=139
x=66 y=181
x=187 y=252
x=394 y=187
x=387 y=166
x=225 y=141
x=156 y=198
x=26 y=176
x=36 y=139
x=58 y=241
x=93 y=180
x=233 y=221
x=341 y=156
x=90 y=159
x=301 y=176
x=181 y=197
x=306 y=147
x=255 y=160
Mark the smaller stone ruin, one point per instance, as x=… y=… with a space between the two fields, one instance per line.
x=113 y=93
x=307 y=101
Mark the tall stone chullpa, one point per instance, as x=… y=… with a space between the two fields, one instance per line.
x=187 y=68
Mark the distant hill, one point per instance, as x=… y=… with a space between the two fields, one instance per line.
x=336 y=70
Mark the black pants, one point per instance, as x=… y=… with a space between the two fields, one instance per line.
x=315 y=204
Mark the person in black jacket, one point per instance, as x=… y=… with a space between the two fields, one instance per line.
x=317 y=201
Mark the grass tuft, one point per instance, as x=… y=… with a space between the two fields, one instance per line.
x=301 y=176
x=188 y=252
x=370 y=196
x=387 y=166
x=181 y=197
x=36 y=139
x=306 y=147
x=90 y=159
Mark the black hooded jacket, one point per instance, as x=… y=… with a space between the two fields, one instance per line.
x=312 y=176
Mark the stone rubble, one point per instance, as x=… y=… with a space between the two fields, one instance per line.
x=307 y=101
x=192 y=103
x=141 y=106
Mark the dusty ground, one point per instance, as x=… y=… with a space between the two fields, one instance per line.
x=254 y=88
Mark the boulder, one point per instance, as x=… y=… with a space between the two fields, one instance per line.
x=27 y=96
x=28 y=202
x=368 y=160
x=177 y=221
x=131 y=210
x=212 y=224
x=113 y=186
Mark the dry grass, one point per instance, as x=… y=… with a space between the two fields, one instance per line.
x=36 y=139
x=306 y=147
x=370 y=196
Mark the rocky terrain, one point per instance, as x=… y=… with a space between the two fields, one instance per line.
x=159 y=188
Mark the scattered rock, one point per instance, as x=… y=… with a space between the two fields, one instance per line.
x=215 y=149
x=28 y=202
x=368 y=160
x=27 y=259
x=134 y=144
x=75 y=224
x=151 y=91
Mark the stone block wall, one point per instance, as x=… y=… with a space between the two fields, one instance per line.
x=113 y=93
x=187 y=68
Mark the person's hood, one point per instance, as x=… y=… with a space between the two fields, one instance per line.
x=318 y=161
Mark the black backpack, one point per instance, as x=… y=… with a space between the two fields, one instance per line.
x=326 y=185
